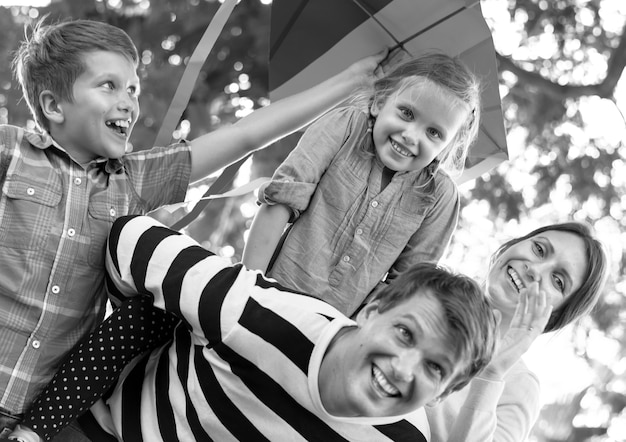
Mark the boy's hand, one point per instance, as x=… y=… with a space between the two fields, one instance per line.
x=373 y=67
x=368 y=69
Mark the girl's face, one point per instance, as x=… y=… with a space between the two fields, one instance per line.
x=415 y=123
x=555 y=259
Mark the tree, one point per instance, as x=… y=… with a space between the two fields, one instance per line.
x=556 y=59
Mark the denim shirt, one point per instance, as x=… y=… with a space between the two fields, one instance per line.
x=347 y=234
x=55 y=216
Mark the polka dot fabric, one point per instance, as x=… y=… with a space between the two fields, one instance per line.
x=96 y=362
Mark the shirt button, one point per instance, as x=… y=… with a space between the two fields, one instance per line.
x=374 y=203
x=71 y=232
x=30 y=191
x=77 y=181
x=56 y=289
x=359 y=231
x=112 y=211
x=36 y=344
x=346 y=258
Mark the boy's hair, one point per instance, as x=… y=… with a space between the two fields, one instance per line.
x=468 y=313
x=51 y=58
x=453 y=76
x=582 y=301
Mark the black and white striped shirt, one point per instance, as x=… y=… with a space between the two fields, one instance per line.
x=244 y=362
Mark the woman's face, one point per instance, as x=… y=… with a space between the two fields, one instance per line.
x=555 y=259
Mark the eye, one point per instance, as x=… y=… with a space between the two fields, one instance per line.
x=405 y=335
x=434 y=133
x=436 y=369
x=108 y=85
x=133 y=91
x=406 y=113
x=539 y=250
x=558 y=282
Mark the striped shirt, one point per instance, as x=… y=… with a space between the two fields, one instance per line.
x=55 y=216
x=245 y=360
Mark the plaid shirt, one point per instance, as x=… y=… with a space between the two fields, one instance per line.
x=55 y=216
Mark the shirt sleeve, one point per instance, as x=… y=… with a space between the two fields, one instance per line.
x=160 y=175
x=296 y=179
x=498 y=411
x=431 y=239
x=146 y=258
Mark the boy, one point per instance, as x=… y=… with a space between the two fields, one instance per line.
x=252 y=360
x=63 y=188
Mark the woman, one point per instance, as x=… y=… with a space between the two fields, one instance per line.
x=539 y=283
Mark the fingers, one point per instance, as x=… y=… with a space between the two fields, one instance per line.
x=394 y=57
x=532 y=312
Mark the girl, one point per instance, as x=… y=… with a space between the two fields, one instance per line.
x=365 y=188
x=564 y=266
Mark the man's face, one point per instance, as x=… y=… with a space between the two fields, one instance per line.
x=393 y=363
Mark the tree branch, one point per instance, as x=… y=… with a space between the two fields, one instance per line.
x=605 y=89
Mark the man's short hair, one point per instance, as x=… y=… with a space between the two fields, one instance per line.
x=469 y=313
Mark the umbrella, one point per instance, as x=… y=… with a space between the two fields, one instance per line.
x=311 y=40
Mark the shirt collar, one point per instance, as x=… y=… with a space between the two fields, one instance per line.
x=44 y=141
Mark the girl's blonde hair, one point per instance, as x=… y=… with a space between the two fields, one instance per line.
x=449 y=73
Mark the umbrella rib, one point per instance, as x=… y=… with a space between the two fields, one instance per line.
x=369 y=13
x=292 y=20
x=421 y=31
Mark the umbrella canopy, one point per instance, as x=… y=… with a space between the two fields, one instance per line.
x=311 y=40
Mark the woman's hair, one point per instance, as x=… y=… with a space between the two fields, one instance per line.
x=52 y=57
x=466 y=309
x=585 y=298
x=451 y=74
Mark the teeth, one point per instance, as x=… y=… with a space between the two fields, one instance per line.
x=383 y=384
x=401 y=150
x=120 y=125
x=515 y=278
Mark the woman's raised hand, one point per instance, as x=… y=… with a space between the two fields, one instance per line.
x=529 y=320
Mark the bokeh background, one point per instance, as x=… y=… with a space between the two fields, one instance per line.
x=561 y=69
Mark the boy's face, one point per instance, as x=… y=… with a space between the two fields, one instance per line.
x=415 y=124
x=393 y=363
x=98 y=122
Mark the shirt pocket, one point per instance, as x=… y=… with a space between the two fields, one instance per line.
x=341 y=186
x=105 y=207
x=408 y=215
x=31 y=204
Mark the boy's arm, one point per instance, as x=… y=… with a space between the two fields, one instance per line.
x=262 y=127
x=267 y=228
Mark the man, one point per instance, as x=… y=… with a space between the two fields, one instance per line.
x=252 y=360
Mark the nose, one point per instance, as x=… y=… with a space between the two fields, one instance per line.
x=404 y=364
x=533 y=270
x=125 y=102
x=410 y=135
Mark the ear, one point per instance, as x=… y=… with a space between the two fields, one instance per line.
x=375 y=107
x=50 y=107
x=366 y=312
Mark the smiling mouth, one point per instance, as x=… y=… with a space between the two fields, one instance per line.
x=400 y=149
x=515 y=279
x=382 y=385
x=121 y=127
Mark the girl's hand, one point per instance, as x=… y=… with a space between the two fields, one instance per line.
x=529 y=321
